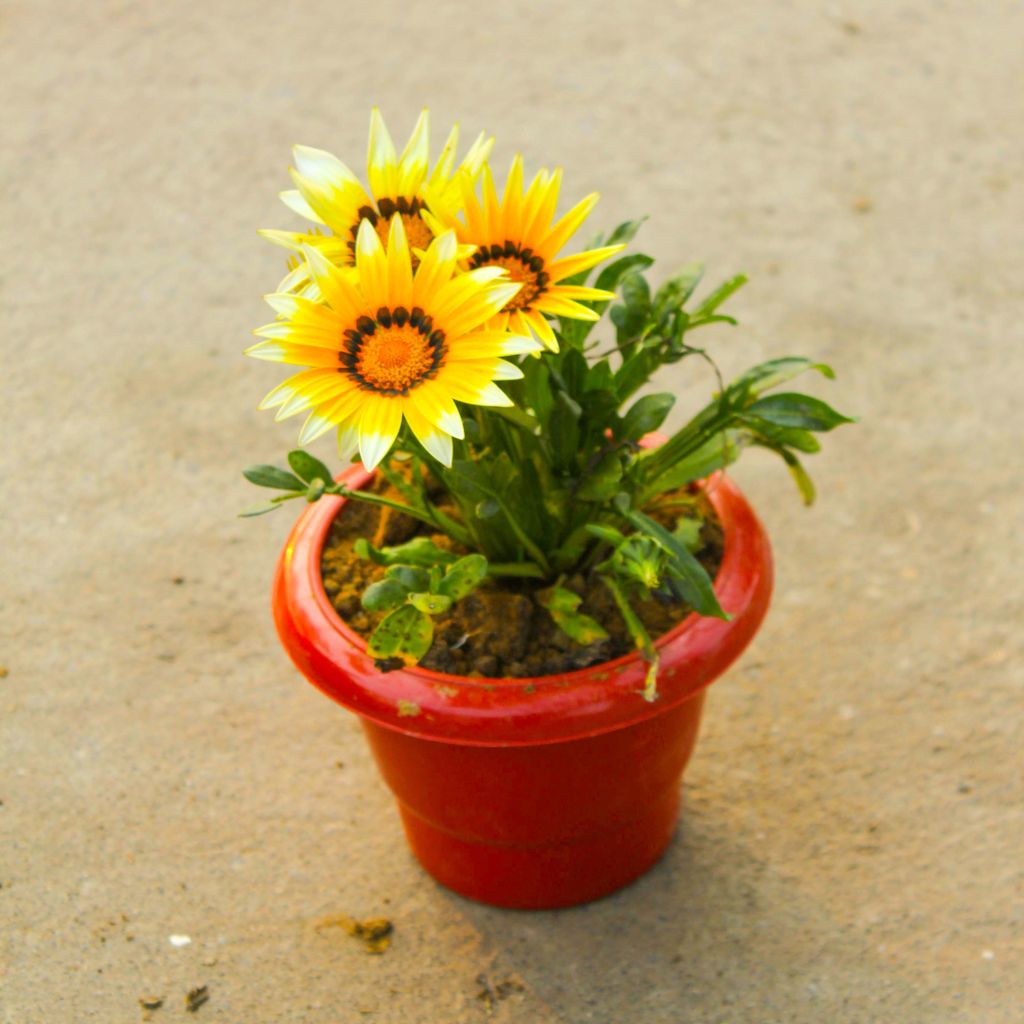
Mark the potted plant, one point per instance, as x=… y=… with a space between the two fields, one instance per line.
x=521 y=590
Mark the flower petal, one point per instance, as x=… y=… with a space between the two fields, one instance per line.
x=371 y=262
x=566 y=227
x=412 y=164
x=436 y=441
x=382 y=161
x=379 y=423
x=567 y=266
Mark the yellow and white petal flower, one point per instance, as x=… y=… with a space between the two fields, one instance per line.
x=382 y=160
x=484 y=394
x=559 y=306
x=567 y=266
x=436 y=441
x=293 y=385
x=315 y=426
x=298 y=280
x=387 y=344
x=294 y=355
x=348 y=439
x=542 y=328
x=496 y=343
x=292 y=198
x=567 y=227
x=437 y=405
x=427 y=201
x=517 y=235
x=379 y=423
x=335 y=286
x=579 y=291
x=436 y=267
x=399 y=265
x=291 y=240
x=415 y=158
x=327 y=391
x=476 y=310
x=372 y=264
x=331 y=190
x=502 y=369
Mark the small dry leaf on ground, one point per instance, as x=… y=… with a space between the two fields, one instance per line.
x=491 y=993
x=151 y=1002
x=375 y=932
x=196 y=997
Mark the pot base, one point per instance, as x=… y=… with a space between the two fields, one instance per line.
x=549 y=876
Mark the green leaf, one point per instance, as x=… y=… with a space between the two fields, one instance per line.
x=431 y=604
x=803 y=481
x=721 y=450
x=606 y=533
x=564 y=430
x=636 y=292
x=271 y=476
x=413 y=495
x=406 y=633
x=634 y=372
x=516 y=416
x=574 y=372
x=612 y=274
x=259 y=510
x=562 y=605
x=766 y=376
x=463 y=576
x=719 y=295
x=537 y=387
x=625 y=232
x=308 y=467
x=409 y=576
x=602 y=482
x=646 y=414
x=687 y=532
x=601 y=377
x=782 y=437
x=384 y=594
x=694 y=583
x=795 y=410
x=678 y=288
x=418 y=551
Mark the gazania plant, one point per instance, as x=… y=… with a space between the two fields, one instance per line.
x=452 y=340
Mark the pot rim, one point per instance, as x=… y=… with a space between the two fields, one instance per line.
x=529 y=709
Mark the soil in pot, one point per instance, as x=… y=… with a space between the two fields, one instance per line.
x=500 y=630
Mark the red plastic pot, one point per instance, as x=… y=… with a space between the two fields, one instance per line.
x=531 y=793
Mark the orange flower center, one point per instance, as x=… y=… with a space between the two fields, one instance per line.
x=417 y=233
x=523 y=266
x=394 y=351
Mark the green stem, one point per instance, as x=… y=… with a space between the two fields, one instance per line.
x=446 y=524
x=534 y=552
x=522 y=569
x=688 y=440
x=640 y=637
x=376 y=499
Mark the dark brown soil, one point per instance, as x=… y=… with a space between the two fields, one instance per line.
x=499 y=630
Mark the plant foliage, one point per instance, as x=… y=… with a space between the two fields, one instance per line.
x=561 y=481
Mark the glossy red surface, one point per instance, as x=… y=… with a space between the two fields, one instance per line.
x=535 y=792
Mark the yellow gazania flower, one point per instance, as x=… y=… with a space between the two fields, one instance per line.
x=518 y=235
x=332 y=197
x=387 y=342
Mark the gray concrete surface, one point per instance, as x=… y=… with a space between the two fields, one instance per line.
x=851 y=849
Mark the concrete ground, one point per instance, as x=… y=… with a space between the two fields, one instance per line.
x=851 y=846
